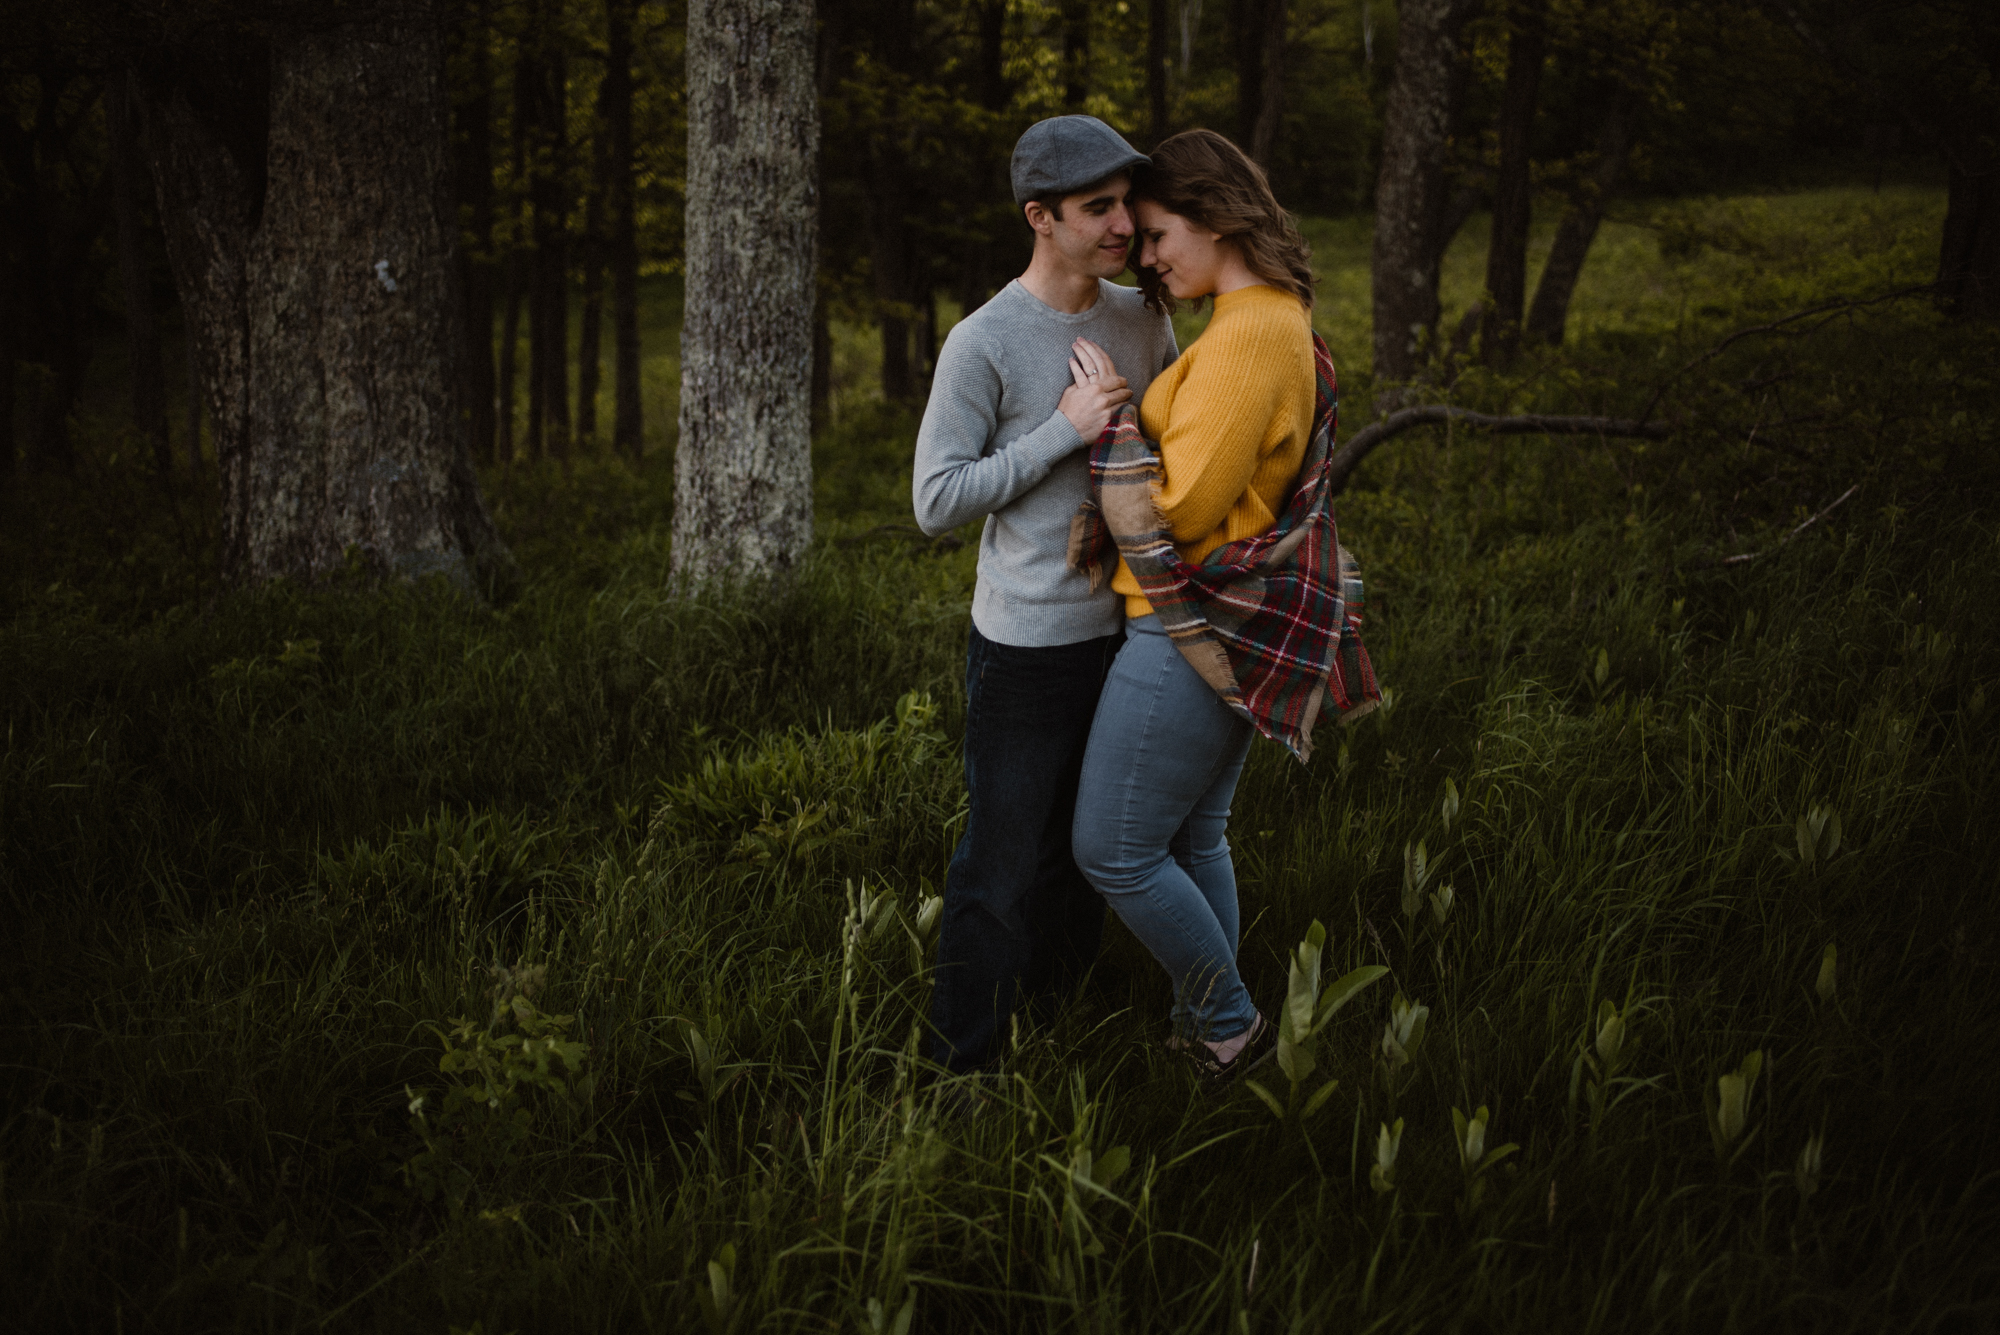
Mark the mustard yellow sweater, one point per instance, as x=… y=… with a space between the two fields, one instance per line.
x=1232 y=416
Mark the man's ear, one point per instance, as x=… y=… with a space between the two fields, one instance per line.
x=1037 y=214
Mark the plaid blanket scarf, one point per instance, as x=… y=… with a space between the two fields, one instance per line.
x=1272 y=623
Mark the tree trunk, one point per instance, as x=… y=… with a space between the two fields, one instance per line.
x=889 y=261
x=142 y=331
x=544 y=72
x=192 y=363
x=513 y=279
x=1265 y=136
x=627 y=428
x=743 y=472
x=50 y=257
x=984 y=269
x=924 y=330
x=472 y=142
x=1247 y=43
x=1513 y=190
x=304 y=190
x=1076 y=53
x=1260 y=46
x=1411 y=192
x=1549 y=315
x=590 y=315
x=1156 y=70
x=1969 y=263
x=7 y=373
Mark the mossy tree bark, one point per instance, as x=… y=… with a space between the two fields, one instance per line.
x=743 y=470
x=303 y=184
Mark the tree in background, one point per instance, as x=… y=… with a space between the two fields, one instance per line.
x=472 y=181
x=304 y=187
x=743 y=470
x=129 y=181
x=567 y=139
x=621 y=221
x=1260 y=79
x=542 y=102
x=1930 y=69
x=585 y=197
x=1411 y=193
x=55 y=197
x=1513 y=188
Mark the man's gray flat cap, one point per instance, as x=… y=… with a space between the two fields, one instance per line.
x=1063 y=154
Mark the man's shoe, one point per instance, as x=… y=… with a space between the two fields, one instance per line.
x=1215 y=1076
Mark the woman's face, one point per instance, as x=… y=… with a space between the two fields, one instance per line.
x=1187 y=257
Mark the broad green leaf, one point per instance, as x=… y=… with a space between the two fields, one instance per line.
x=1343 y=989
x=1277 y=1108
x=1296 y=1060
x=1111 y=1165
x=1302 y=987
x=1318 y=1100
x=1829 y=971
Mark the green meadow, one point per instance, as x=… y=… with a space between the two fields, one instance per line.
x=378 y=960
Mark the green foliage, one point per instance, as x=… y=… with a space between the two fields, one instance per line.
x=1305 y=1015
x=241 y=903
x=1475 y=1156
x=804 y=801
x=1729 y=1110
x=499 y=1069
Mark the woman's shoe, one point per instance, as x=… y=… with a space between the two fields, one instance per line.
x=1215 y=1074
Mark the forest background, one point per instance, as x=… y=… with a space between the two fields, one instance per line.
x=381 y=958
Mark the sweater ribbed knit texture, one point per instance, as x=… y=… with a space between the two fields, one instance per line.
x=1232 y=416
x=993 y=446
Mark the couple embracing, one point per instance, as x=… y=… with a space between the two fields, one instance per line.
x=1108 y=719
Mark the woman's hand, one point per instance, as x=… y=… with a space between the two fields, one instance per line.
x=1096 y=391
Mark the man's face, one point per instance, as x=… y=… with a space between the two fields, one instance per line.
x=1094 y=235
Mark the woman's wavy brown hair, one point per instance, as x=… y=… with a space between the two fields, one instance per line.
x=1213 y=184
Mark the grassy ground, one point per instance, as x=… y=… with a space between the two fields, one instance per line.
x=666 y=859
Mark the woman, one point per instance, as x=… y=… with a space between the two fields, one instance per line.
x=1232 y=417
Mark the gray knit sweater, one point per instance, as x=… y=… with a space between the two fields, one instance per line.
x=992 y=445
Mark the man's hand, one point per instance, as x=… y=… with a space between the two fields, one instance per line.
x=1096 y=393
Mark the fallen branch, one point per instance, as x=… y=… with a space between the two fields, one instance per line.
x=1364 y=441
x=1358 y=447
x=1746 y=558
x=1829 y=310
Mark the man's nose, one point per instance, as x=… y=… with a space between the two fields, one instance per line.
x=1121 y=223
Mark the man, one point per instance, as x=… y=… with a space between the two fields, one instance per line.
x=1004 y=439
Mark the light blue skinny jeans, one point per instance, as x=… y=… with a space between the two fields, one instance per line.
x=1152 y=811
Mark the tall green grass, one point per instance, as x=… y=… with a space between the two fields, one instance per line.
x=262 y=853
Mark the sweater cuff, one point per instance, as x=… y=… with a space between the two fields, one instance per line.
x=1052 y=440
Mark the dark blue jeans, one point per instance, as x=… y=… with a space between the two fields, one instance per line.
x=1021 y=925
